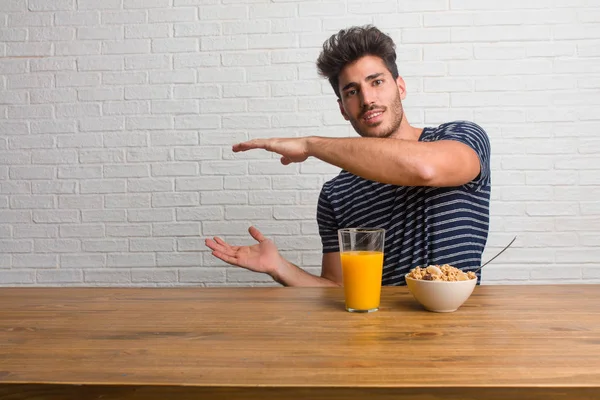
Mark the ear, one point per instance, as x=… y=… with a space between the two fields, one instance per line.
x=342 y=110
x=401 y=87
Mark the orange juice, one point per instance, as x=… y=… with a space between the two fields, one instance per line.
x=361 y=272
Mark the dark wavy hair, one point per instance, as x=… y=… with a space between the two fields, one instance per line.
x=348 y=45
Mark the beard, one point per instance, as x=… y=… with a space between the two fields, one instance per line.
x=383 y=129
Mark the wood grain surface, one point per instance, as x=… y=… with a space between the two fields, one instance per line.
x=151 y=343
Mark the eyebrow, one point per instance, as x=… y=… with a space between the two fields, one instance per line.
x=368 y=78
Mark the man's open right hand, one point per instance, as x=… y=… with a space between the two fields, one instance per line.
x=262 y=257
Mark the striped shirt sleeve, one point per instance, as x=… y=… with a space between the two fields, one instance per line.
x=327 y=223
x=476 y=138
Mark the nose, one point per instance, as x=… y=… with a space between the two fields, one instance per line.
x=367 y=97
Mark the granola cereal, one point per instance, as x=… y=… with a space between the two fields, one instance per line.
x=441 y=273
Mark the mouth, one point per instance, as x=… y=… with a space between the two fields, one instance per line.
x=373 y=117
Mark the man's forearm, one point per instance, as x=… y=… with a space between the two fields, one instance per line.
x=289 y=274
x=397 y=162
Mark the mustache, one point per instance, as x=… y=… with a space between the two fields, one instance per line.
x=372 y=107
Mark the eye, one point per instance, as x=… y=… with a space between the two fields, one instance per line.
x=378 y=82
x=350 y=92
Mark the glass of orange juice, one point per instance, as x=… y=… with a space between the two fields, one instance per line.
x=361 y=254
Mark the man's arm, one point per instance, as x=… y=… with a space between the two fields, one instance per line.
x=289 y=274
x=265 y=258
x=399 y=162
x=394 y=161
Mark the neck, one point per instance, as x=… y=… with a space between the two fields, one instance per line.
x=406 y=131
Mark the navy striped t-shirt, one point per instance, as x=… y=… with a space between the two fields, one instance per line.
x=424 y=225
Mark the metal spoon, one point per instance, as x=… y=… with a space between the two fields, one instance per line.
x=492 y=259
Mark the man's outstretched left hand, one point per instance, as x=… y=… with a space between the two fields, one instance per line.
x=291 y=150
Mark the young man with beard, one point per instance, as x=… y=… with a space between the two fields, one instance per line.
x=428 y=187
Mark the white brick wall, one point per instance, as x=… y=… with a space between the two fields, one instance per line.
x=117 y=119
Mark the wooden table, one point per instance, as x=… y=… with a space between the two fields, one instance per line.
x=505 y=342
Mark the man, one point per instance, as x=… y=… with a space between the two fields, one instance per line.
x=428 y=187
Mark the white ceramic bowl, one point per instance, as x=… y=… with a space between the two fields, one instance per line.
x=441 y=296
